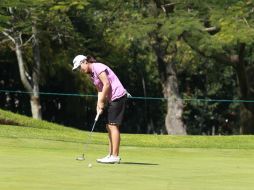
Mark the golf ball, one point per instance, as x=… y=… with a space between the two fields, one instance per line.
x=90 y=165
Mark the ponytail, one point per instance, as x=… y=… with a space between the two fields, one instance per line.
x=90 y=59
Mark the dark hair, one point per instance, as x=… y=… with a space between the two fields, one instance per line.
x=90 y=59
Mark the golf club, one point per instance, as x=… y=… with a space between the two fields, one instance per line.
x=82 y=157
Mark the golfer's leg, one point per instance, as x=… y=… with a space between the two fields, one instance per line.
x=109 y=140
x=115 y=139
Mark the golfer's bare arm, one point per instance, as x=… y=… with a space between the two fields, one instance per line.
x=102 y=95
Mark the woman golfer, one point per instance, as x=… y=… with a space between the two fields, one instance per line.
x=110 y=91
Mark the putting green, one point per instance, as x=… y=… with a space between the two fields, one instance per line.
x=33 y=164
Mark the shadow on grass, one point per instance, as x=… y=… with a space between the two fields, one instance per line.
x=139 y=163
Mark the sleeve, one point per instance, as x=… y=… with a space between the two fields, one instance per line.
x=99 y=68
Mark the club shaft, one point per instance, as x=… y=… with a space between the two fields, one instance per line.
x=90 y=134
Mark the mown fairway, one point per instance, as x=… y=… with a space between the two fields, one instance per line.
x=32 y=164
x=38 y=155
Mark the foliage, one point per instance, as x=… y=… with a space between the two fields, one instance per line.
x=57 y=44
x=118 y=33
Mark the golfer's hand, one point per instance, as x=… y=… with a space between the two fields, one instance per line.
x=100 y=108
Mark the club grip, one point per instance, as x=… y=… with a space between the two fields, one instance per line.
x=97 y=117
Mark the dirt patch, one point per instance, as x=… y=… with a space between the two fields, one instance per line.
x=8 y=122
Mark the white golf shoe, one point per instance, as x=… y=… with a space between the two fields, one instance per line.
x=102 y=159
x=109 y=159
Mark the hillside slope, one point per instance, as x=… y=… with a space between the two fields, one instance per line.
x=18 y=126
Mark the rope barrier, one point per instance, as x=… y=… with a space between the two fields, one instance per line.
x=132 y=97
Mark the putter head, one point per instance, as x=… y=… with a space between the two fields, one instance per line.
x=81 y=158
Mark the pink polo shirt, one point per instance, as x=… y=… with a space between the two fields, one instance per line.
x=117 y=90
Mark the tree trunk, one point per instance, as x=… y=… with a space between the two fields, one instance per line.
x=165 y=61
x=174 y=123
x=35 y=99
x=35 y=106
x=34 y=96
x=22 y=70
x=246 y=121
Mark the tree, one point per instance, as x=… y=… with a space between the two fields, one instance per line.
x=166 y=52
x=142 y=21
x=228 y=39
x=20 y=22
x=203 y=25
x=14 y=30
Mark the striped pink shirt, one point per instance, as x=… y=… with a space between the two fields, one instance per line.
x=117 y=90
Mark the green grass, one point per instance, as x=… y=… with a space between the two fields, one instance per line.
x=41 y=155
